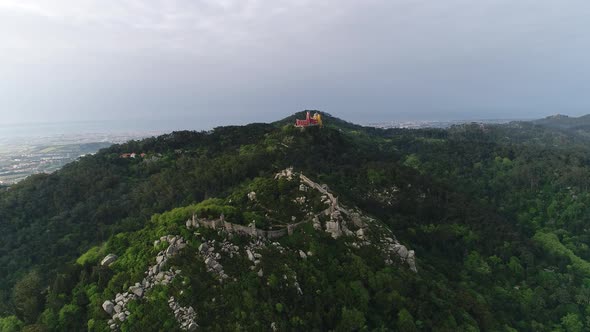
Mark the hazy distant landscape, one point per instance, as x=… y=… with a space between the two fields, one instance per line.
x=418 y=124
x=27 y=149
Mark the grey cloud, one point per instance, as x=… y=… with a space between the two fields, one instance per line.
x=242 y=59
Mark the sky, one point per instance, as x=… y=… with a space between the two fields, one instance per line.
x=216 y=62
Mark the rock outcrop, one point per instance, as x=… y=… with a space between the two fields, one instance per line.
x=108 y=260
x=155 y=275
x=184 y=315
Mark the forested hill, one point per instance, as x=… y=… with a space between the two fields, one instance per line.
x=565 y=122
x=496 y=214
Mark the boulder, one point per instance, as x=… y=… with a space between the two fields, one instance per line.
x=203 y=247
x=108 y=306
x=252 y=196
x=302 y=254
x=171 y=250
x=401 y=250
x=192 y=326
x=137 y=290
x=360 y=233
x=260 y=273
x=118 y=308
x=108 y=260
x=250 y=255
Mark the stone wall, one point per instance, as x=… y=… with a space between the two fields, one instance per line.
x=241 y=229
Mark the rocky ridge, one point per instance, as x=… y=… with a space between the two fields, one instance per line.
x=337 y=220
x=155 y=275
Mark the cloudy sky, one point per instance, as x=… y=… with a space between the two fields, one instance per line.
x=233 y=61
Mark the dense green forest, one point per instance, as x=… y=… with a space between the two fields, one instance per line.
x=496 y=214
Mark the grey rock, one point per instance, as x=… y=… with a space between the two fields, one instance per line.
x=402 y=251
x=109 y=259
x=137 y=290
x=108 y=306
x=252 y=196
x=302 y=254
x=171 y=250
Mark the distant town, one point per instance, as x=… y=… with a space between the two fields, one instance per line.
x=23 y=156
x=418 y=124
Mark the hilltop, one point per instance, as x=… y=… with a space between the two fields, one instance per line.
x=272 y=227
x=560 y=121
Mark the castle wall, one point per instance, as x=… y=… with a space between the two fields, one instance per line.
x=246 y=230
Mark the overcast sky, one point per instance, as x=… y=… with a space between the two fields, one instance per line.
x=233 y=61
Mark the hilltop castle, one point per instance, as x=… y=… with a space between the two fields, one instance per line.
x=315 y=120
